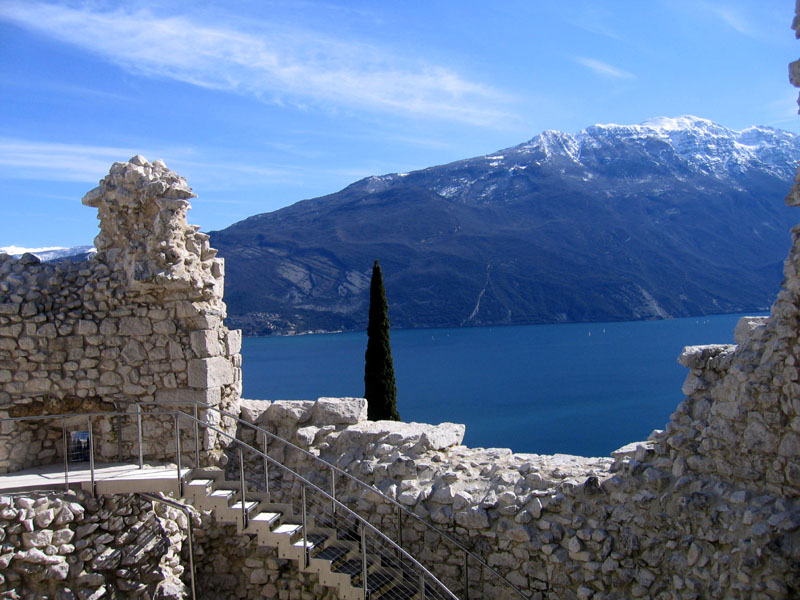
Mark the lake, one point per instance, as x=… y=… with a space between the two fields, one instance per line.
x=584 y=388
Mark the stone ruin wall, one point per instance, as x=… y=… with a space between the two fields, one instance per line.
x=75 y=547
x=137 y=323
x=655 y=521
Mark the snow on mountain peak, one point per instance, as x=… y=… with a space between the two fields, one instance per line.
x=49 y=252
x=678 y=123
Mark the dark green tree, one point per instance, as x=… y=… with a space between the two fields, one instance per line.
x=379 y=385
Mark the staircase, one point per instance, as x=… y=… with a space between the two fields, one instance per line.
x=330 y=546
x=309 y=524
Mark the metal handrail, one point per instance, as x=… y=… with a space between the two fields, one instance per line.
x=115 y=413
x=319 y=490
x=189 y=534
x=468 y=554
x=241 y=444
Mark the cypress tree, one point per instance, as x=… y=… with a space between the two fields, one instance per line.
x=379 y=385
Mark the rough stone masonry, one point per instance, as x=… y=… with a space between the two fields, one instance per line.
x=140 y=322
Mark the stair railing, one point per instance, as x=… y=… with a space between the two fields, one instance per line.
x=467 y=557
x=397 y=566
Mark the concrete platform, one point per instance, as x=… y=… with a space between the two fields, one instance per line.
x=109 y=478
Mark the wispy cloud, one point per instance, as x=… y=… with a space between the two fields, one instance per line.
x=603 y=69
x=275 y=64
x=730 y=17
x=24 y=159
x=595 y=20
x=56 y=161
x=783 y=110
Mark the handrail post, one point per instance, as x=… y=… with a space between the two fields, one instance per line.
x=91 y=457
x=305 y=529
x=466 y=575
x=266 y=466
x=333 y=490
x=422 y=585
x=191 y=551
x=66 y=453
x=399 y=527
x=139 y=434
x=190 y=532
x=242 y=486
x=364 y=559
x=178 y=454
x=196 y=439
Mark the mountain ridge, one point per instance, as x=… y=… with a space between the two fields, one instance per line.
x=672 y=217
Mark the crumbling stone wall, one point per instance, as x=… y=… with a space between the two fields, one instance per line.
x=642 y=524
x=139 y=322
x=71 y=546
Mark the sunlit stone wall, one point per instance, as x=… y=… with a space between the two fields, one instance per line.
x=139 y=322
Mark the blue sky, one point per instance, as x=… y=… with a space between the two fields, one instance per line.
x=262 y=103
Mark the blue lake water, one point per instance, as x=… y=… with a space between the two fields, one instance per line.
x=583 y=389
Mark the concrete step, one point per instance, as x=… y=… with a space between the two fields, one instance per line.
x=331 y=543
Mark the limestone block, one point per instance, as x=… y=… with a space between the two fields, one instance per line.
x=44 y=518
x=473 y=518
x=133 y=352
x=288 y=412
x=164 y=327
x=37 y=386
x=696 y=357
x=305 y=435
x=747 y=328
x=209 y=396
x=233 y=342
x=693 y=384
x=86 y=327
x=339 y=411
x=252 y=409
x=210 y=372
x=442 y=436
x=37 y=539
x=205 y=343
x=9 y=308
x=135 y=326
x=58 y=571
x=37 y=557
x=110 y=378
x=48 y=330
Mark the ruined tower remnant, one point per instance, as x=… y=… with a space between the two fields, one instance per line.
x=138 y=323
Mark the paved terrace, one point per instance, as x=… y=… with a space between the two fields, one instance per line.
x=115 y=478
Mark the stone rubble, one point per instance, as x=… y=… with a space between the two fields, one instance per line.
x=75 y=547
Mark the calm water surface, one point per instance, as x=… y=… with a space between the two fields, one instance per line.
x=577 y=388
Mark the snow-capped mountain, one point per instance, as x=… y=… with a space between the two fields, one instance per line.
x=51 y=252
x=670 y=217
x=685 y=146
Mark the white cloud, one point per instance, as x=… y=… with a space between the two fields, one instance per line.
x=274 y=64
x=731 y=17
x=602 y=68
x=56 y=161
x=24 y=159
